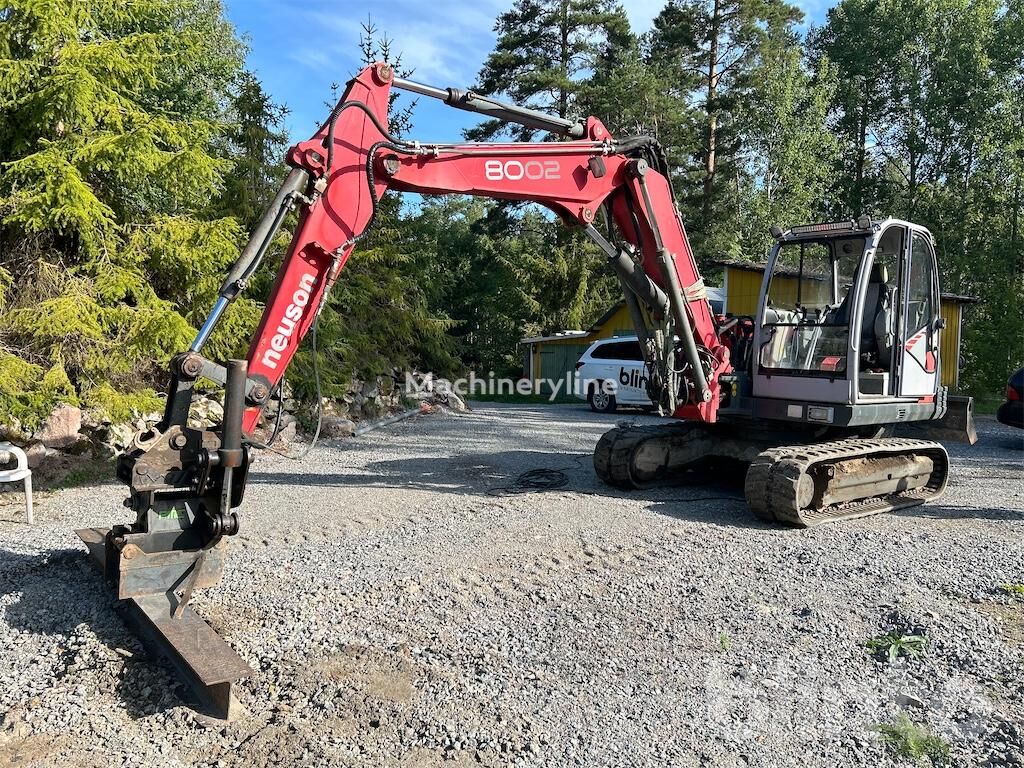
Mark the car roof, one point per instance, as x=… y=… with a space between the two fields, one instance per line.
x=614 y=339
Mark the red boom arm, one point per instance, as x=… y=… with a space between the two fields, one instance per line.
x=573 y=178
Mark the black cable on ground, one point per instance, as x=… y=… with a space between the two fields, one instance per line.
x=536 y=481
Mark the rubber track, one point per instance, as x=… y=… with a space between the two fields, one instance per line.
x=613 y=456
x=774 y=476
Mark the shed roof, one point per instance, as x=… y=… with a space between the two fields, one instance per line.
x=560 y=336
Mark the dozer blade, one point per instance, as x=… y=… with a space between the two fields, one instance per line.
x=806 y=485
x=956 y=426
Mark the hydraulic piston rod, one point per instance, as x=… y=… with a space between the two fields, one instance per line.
x=499 y=110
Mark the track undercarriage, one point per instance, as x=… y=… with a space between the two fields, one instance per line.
x=802 y=484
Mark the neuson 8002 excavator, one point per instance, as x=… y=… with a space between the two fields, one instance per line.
x=844 y=346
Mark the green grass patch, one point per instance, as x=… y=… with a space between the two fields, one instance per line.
x=895 y=644
x=1015 y=590
x=987 y=405
x=908 y=739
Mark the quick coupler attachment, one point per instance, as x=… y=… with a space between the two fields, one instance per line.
x=185 y=485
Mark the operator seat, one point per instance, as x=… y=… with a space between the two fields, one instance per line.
x=876 y=326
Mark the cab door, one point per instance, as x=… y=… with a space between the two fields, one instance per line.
x=919 y=329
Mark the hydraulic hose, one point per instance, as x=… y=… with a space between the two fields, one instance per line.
x=333 y=125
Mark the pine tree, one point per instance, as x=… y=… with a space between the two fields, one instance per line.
x=377 y=318
x=544 y=50
x=256 y=143
x=633 y=95
x=713 y=46
x=788 y=152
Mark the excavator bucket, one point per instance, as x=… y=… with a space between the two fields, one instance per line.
x=178 y=543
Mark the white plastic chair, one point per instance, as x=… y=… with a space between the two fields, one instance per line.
x=20 y=472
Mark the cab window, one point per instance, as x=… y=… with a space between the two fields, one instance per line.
x=807 y=313
x=920 y=282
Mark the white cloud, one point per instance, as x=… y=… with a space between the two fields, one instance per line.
x=444 y=41
x=301 y=47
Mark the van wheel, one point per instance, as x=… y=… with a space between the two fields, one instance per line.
x=600 y=400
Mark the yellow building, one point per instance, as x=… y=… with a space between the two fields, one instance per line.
x=554 y=357
x=742 y=284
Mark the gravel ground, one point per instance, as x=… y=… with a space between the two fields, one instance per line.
x=400 y=611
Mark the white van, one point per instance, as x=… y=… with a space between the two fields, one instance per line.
x=612 y=373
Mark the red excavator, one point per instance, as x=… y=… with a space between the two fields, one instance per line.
x=844 y=347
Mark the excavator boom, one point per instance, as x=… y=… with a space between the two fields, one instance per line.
x=353 y=161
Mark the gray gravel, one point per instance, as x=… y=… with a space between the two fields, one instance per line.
x=399 y=614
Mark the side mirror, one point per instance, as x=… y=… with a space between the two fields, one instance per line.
x=940 y=323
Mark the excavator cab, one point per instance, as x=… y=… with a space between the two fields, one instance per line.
x=848 y=332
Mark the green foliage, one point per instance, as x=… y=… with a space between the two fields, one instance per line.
x=256 y=143
x=475 y=278
x=29 y=392
x=1015 y=590
x=725 y=56
x=136 y=153
x=895 y=644
x=934 y=136
x=111 y=118
x=378 y=318
x=791 y=152
x=108 y=403
x=907 y=739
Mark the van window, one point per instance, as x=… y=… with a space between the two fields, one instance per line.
x=620 y=350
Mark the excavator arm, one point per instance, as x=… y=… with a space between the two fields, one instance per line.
x=341 y=173
x=186 y=483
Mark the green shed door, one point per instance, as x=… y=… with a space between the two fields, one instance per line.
x=558 y=364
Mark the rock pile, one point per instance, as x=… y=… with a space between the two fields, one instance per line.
x=69 y=430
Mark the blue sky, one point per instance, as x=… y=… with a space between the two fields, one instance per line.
x=299 y=47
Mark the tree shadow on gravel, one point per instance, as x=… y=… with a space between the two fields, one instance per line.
x=474 y=474
x=59 y=591
x=942 y=512
x=708 y=494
